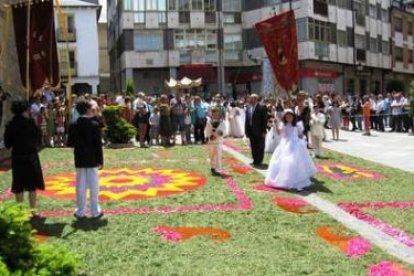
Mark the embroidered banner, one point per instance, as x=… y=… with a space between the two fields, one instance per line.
x=279 y=38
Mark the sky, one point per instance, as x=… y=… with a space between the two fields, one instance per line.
x=103 y=12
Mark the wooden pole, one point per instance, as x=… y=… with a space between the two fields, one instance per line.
x=29 y=4
x=63 y=27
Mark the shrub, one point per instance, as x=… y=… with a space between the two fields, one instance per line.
x=3 y=269
x=411 y=99
x=130 y=90
x=118 y=130
x=20 y=254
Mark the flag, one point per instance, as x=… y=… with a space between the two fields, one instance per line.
x=279 y=38
x=43 y=62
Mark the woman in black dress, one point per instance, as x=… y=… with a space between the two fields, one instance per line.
x=24 y=137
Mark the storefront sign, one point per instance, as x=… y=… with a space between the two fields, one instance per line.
x=318 y=73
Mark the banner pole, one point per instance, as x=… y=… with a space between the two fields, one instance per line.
x=29 y=4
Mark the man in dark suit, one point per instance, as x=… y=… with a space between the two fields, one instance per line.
x=85 y=137
x=256 y=128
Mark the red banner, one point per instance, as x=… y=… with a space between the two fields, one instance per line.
x=279 y=38
x=43 y=64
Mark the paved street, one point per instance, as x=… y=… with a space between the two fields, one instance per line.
x=392 y=149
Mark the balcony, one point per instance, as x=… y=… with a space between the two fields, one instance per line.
x=68 y=37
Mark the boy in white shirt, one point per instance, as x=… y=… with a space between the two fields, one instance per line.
x=317 y=130
x=214 y=132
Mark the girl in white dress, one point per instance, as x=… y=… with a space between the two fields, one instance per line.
x=242 y=117
x=291 y=166
x=235 y=124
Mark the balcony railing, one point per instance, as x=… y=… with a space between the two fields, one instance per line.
x=68 y=37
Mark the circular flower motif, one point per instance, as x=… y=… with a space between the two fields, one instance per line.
x=129 y=184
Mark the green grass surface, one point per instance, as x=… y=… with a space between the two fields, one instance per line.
x=265 y=240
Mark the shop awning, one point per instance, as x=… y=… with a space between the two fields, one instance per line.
x=197 y=71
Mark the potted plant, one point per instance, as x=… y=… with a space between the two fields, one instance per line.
x=118 y=131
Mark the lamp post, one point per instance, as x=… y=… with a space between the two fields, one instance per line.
x=221 y=73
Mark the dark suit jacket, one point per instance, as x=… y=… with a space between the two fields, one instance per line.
x=259 y=120
x=85 y=136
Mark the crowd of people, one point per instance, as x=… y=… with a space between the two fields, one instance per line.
x=167 y=120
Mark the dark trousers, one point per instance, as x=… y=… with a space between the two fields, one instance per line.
x=257 y=145
x=199 y=132
x=397 y=123
x=379 y=121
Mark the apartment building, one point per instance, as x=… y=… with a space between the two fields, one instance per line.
x=345 y=46
x=78 y=45
x=402 y=24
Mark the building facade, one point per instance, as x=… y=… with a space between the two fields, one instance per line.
x=78 y=45
x=345 y=46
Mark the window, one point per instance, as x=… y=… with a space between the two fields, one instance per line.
x=320 y=7
x=232 y=18
x=346 y=4
x=139 y=17
x=209 y=5
x=410 y=56
x=148 y=41
x=128 y=5
x=360 y=13
x=342 y=38
x=172 y=5
x=410 y=28
x=195 y=39
x=398 y=24
x=321 y=49
x=379 y=13
x=301 y=28
x=184 y=17
x=210 y=17
x=319 y=30
x=151 y=5
x=373 y=45
x=197 y=5
x=385 y=47
x=384 y=16
x=70 y=23
x=398 y=54
x=372 y=11
x=361 y=55
x=162 y=18
x=232 y=5
x=184 y=5
x=360 y=42
x=65 y=57
x=233 y=42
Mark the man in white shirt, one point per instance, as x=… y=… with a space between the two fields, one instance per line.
x=397 y=112
x=379 y=113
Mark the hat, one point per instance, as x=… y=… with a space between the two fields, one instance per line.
x=288 y=111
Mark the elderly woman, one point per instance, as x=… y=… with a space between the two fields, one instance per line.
x=24 y=137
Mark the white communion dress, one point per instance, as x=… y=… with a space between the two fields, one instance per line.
x=291 y=166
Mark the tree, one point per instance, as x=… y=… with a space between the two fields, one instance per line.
x=130 y=89
x=395 y=85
